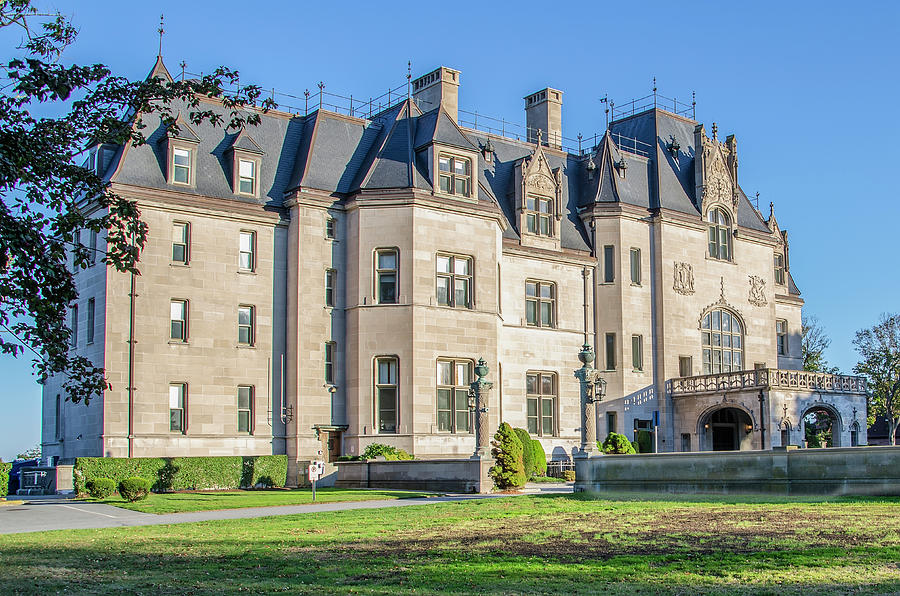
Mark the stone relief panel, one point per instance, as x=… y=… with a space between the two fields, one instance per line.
x=757 y=296
x=684 y=279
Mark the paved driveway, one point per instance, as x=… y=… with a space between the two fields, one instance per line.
x=58 y=513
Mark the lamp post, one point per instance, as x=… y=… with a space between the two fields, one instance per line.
x=479 y=393
x=593 y=389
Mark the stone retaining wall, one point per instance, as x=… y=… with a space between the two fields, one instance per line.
x=839 y=471
x=445 y=475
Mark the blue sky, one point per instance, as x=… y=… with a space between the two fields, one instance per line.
x=807 y=88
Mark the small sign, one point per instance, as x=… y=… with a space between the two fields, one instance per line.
x=316 y=470
x=655 y=417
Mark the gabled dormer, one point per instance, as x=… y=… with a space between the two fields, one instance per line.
x=538 y=199
x=245 y=156
x=451 y=156
x=780 y=260
x=716 y=193
x=179 y=145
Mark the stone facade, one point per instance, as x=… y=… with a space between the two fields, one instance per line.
x=383 y=256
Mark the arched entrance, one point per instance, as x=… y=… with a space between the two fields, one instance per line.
x=821 y=427
x=726 y=429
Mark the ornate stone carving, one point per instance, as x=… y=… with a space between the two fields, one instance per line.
x=684 y=279
x=538 y=178
x=757 y=295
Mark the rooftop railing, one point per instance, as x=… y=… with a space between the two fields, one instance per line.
x=766 y=378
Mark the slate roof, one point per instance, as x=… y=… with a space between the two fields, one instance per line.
x=342 y=155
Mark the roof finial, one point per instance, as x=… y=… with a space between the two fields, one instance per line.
x=540 y=133
x=408 y=77
x=715 y=131
x=654 y=92
x=183 y=66
x=771 y=210
x=161 y=30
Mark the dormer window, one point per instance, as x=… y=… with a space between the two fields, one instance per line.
x=539 y=215
x=247 y=177
x=719 y=234
x=779 y=269
x=454 y=174
x=181 y=165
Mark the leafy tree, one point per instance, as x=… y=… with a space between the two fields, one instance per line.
x=814 y=341
x=879 y=350
x=527 y=451
x=508 y=473
x=46 y=199
x=33 y=453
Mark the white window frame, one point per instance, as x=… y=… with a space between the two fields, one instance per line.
x=454 y=279
x=250 y=327
x=539 y=300
x=452 y=176
x=185 y=241
x=251 y=406
x=183 y=320
x=382 y=384
x=455 y=386
x=251 y=253
x=381 y=272
x=179 y=406
x=539 y=398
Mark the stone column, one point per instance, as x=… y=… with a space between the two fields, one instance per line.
x=587 y=376
x=482 y=391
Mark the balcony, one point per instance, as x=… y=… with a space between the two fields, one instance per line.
x=766 y=378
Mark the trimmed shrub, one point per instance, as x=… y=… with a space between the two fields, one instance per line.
x=388 y=452
x=617 y=444
x=635 y=446
x=134 y=488
x=644 y=441
x=509 y=472
x=569 y=475
x=527 y=452
x=185 y=473
x=100 y=488
x=4 y=478
x=540 y=458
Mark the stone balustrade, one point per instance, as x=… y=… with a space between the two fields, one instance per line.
x=766 y=378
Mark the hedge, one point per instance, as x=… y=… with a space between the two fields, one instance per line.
x=4 y=478
x=185 y=473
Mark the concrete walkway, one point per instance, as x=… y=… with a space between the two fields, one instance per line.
x=59 y=513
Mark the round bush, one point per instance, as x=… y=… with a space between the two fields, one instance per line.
x=540 y=458
x=389 y=452
x=617 y=444
x=134 y=488
x=100 y=488
x=527 y=452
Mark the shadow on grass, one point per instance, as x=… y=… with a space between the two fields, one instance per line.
x=733 y=499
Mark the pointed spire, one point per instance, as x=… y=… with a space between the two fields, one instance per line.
x=161 y=31
x=715 y=131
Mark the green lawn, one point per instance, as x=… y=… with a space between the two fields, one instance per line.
x=560 y=544
x=238 y=499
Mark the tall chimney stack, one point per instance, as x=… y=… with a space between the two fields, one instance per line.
x=543 y=111
x=438 y=87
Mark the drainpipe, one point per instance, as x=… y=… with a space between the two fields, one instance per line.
x=762 y=423
x=131 y=297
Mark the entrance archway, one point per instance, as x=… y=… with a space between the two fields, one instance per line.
x=726 y=429
x=821 y=427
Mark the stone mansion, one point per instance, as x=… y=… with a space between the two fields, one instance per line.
x=327 y=280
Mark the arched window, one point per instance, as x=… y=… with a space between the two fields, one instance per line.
x=719 y=234
x=723 y=342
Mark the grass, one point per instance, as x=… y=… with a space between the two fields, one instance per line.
x=238 y=499
x=560 y=544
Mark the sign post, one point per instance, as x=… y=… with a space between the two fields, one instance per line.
x=655 y=431
x=316 y=469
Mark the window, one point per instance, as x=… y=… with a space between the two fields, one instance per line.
x=612 y=422
x=245 y=409
x=636 y=266
x=90 y=321
x=181 y=165
x=386 y=394
x=538 y=216
x=722 y=340
x=540 y=303
x=453 y=378
x=330 y=231
x=330 y=348
x=247 y=177
x=719 y=235
x=178 y=320
x=454 y=281
x=92 y=257
x=245 y=325
x=386 y=267
x=177 y=412
x=610 y=351
x=637 y=352
x=454 y=174
x=247 y=260
x=759 y=366
x=781 y=335
x=180 y=242
x=330 y=283
x=685 y=366
x=74 y=327
x=609 y=267
x=685 y=442
x=779 y=269
x=541 y=399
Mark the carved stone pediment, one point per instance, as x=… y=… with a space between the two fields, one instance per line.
x=715 y=172
x=684 y=279
x=757 y=295
x=538 y=178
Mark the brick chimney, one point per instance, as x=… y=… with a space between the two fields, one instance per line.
x=543 y=111
x=438 y=87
